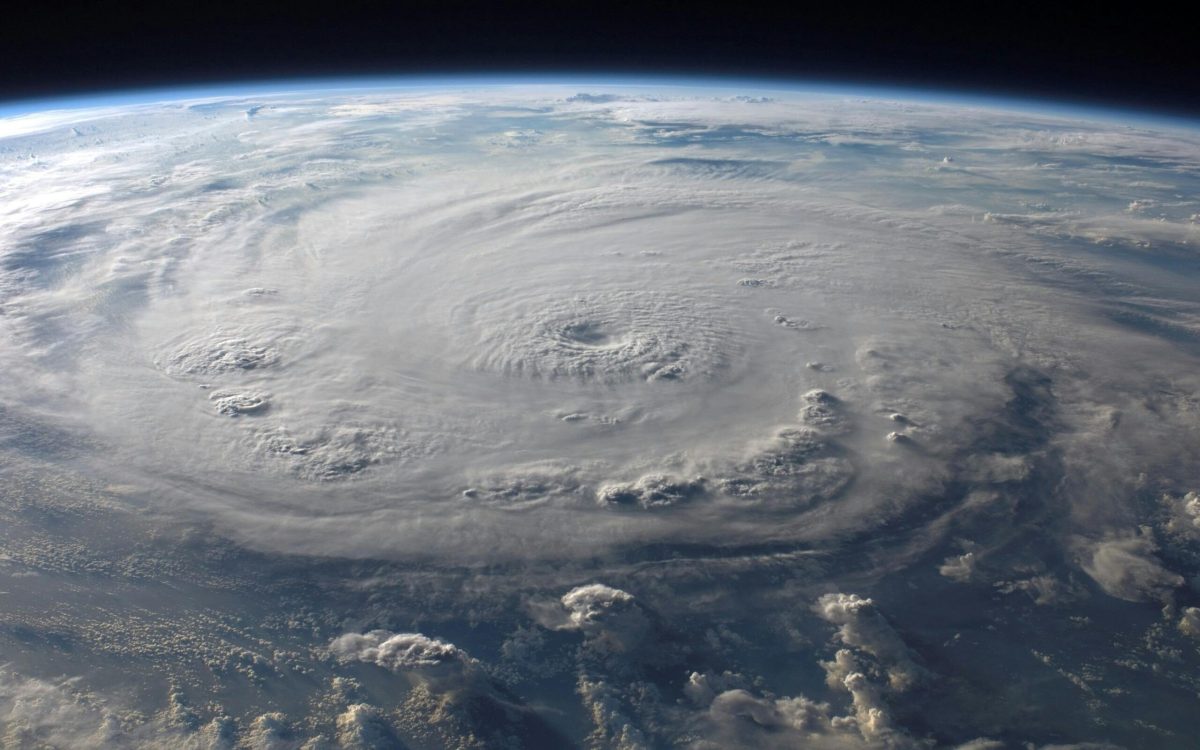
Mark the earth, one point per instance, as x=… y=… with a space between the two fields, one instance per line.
x=638 y=414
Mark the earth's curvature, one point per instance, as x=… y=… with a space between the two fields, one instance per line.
x=632 y=416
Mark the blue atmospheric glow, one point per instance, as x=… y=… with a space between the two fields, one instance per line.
x=823 y=88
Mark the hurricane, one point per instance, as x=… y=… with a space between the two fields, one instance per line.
x=633 y=416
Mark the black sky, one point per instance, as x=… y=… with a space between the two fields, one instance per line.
x=1140 y=57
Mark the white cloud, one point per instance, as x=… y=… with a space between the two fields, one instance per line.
x=863 y=627
x=613 y=727
x=737 y=717
x=609 y=617
x=395 y=651
x=63 y=714
x=590 y=604
x=35 y=713
x=1189 y=621
x=652 y=491
x=362 y=727
x=958 y=568
x=1185 y=514
x=271 y=731
x=439 y=325
x=1126 y=567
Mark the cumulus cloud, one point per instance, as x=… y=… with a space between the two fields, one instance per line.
x=862 y=626
x=871 y=712
x=959 y=568
x=613 y=727
x=798 y=467
x=37 y=713
x=652 y=491
x=271 y=731
x=330 y=453
x=218 y=354
x=361 y=727
x=822 y=410
x=395 y=651
x=610 y=618
x=588 y=605
x=1185 y=514
x=740 y=719
x=448 y=701
x=1189 y=621
x=737 y=717
x=63 y=714
x=237 y=404
x=1126 y=567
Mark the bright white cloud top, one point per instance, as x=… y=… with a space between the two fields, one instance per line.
x=591 y=335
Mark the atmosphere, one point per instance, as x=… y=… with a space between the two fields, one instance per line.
x=704 y=409
x=1144 y=59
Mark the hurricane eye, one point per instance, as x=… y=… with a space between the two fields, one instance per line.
x=588 y=333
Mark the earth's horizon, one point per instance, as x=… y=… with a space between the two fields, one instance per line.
x=694 y=413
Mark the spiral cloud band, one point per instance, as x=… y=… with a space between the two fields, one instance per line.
x=641 y=416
